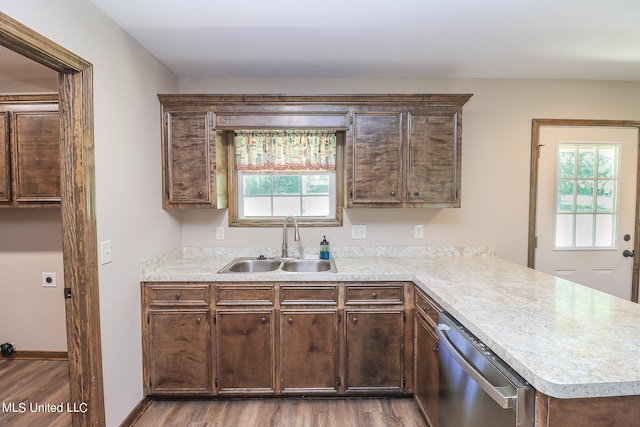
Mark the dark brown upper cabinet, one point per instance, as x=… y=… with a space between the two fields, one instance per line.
x=29 y=151
x=406 y=155
x=401 y=150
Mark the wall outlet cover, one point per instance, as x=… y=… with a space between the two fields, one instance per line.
x=49 y=280
x=359 y=232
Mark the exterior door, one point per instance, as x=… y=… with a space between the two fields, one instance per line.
x=586 y=205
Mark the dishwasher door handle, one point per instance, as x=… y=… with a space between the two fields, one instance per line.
x=498 y=394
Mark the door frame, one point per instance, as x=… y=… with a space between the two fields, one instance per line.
x=536 y=124
x=78 y=208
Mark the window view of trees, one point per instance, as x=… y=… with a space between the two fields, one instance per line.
x=587 y=186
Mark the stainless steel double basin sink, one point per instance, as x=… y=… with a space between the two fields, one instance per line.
x=279 y=265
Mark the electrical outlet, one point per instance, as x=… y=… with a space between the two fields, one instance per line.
x=359 y=232
x=105 y=252
x=49 y=280
x=418 y=231
x=219 y=233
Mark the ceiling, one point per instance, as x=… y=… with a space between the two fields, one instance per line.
x=538 y=39
x=541 y=39
x=20 y=74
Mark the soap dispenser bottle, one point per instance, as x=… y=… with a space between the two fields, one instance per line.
x=324 y=248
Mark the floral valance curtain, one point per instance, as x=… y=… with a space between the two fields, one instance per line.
x=285 y=150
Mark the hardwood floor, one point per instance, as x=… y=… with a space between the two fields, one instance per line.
x=283 y=412
x=31 y=390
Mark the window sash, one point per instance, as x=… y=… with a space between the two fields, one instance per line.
x=586 y=204
x=281 y=204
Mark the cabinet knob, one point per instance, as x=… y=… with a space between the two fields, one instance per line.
x=426 y=308
x=263 y=320
x=393 y=193
x=416 y=193
x=178 y=295
x=290 y=320
x=200 y=194
x=198 y=320
x=374 y=295
x=436 y=349
x=355 y=320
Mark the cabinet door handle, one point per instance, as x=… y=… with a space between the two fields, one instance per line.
x=426 y=308
x=393 y=193
x=355 y=320
x=200 y=194
x=178 y=295
x=436 y=349
x=263 y=320
x=290 y=320
x=198 y=320
x=416 y=193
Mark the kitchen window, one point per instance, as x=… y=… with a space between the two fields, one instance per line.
x=587 y=183
x=278 y=173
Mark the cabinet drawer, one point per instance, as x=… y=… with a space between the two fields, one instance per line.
x=244 y=295
x=427 y=307
x=388 y=294
x=184 y=294
x=309 y=295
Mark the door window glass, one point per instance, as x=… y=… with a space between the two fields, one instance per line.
x=587 y=183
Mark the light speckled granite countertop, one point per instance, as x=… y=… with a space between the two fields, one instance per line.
x=567 y=340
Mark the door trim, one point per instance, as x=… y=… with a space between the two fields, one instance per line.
x=536 y=124
x=78 y=207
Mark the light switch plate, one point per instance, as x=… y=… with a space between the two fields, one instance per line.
x=418 y=231
x=105 y=252
x=359 y=232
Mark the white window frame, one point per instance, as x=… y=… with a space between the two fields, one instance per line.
x=332 y=196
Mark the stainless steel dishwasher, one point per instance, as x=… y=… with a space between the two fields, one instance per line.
x=477 y=389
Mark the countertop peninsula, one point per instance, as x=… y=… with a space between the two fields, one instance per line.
x=567 y=340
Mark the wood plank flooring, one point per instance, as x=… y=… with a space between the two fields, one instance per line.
x=27 y=386
x=284 y=412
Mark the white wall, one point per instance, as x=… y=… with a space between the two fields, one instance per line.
x=128 y=174
x=495 y=159
x=31 y=317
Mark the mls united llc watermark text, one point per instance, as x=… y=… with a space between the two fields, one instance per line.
x=43 y=407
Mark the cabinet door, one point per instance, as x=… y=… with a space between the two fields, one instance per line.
x=376 y=175
x=179 y=352
x=36 y=156
x=426 y=365
x=309 y=342
x=433 y=159
x=188 y=163
x=5 y=180
x=374 y=350
x=245 y=351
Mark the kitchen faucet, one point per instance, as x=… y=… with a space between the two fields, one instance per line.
x=296 y=235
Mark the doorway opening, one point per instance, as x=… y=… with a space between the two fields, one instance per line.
x=580 y=196
x=79 y=246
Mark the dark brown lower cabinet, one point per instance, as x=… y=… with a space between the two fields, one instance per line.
x=426 y=385
x=239 y=339
x=374 y=350
x=246 y=362
x=309 y=351
x=178 y=354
